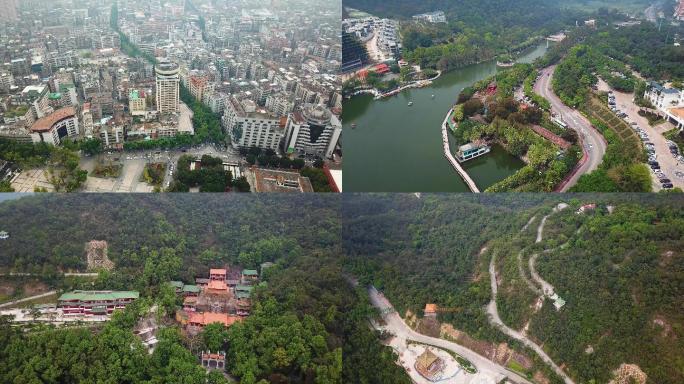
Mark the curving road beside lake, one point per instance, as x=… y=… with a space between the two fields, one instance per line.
x=592 y=141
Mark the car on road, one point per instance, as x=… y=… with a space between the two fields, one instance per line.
x=655 y=166
x=665 y=180
x=668 y=186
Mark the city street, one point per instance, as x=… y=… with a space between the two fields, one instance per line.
x=374 y=52
x=592 y=140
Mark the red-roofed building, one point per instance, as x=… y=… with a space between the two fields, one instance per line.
x=53 y=128
x=216 y=287
x=381 y=68
x=213 y=360
x=586 y=207
x=430 y=310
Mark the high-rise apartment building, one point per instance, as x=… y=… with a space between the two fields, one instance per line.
x=168 y=87
x=312 y=130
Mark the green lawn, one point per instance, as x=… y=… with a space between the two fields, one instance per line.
x=515 y=366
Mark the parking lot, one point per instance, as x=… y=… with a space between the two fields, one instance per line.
x=665 y=162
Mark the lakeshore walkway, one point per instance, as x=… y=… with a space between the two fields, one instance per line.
x=454 y=163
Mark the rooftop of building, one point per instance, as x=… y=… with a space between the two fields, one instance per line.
x=271 y=180
x=430 y=308
x=678 y=112
x=426 y=359
x=258 y=113
x=217 y=285
x=663 y=89
x=191 y=288
x=98 y=295
x=46 y=123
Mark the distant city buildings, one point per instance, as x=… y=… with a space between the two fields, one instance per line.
x=8 y=10
x=254 y=67
x=378 y=34
x=431 y=17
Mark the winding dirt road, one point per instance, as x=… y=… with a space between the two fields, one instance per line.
x=495 y=319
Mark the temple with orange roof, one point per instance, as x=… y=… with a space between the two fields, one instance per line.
x=202 y=319
x=430 y=310
x=218 y=274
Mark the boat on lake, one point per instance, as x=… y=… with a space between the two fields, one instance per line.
x=471 y=151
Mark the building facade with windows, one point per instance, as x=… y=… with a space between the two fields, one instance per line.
x=52 y=129
x=168 y=88
x=248 y=127
x=312 y=130
x=95 y=302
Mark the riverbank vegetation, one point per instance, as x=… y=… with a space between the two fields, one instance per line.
x=488 y=112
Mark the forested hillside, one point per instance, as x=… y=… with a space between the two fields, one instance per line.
x=51 y=231
x=621 y=274
x=425 y=250
x=308 y=324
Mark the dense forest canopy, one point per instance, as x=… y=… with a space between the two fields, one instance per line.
x=51 y=231
x=648 y=48
x=309 y=324
x=622 y=276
